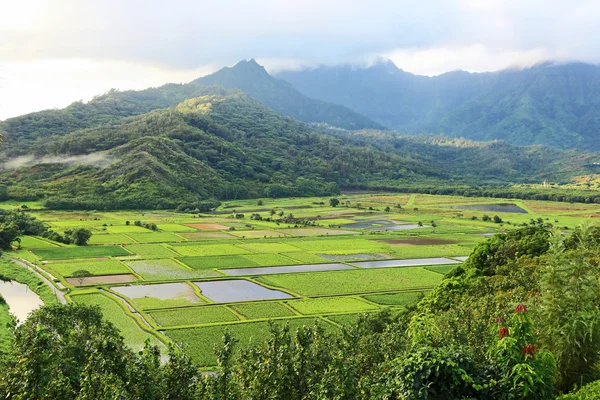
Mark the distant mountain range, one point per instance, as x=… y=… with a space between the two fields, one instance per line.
x=175 y=144
x=552 y=104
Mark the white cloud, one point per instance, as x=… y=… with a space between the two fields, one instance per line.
x=475 y=58
x=136 y=43
x=37 y=85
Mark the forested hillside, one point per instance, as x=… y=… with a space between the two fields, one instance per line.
x=229 y=146
x=551 y=104
x=24 y=131
x=279 y=95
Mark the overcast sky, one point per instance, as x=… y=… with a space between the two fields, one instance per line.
x=54 y=52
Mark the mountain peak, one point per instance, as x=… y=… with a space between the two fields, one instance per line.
x=249 y=65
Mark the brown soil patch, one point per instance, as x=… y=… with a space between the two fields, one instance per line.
x=416 y=241
x=94 y=280
x=208 y=227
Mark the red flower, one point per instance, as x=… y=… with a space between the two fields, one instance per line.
x=529 y=349
x=503 y=332
x=500 y=320
x=520 y=308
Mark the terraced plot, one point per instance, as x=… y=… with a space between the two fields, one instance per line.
x=238 y=290
x=134 y=335
x=160 y=295
x=30 y=242
x=200 y=342
x=94 y=267
x=202 y=263
x=331 y=305
x=288 y=269
x=396 y=299
x=186 y=249
x=155 y=237
x=193 y=316
x=158 y=270
x=110 y=239
x=150 y=251
x=263 y=309
x=354 y=281
x=81 y=252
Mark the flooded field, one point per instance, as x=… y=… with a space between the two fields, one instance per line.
x=238 y=290
x=406 y=263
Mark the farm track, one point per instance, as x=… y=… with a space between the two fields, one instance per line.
x=25 y=264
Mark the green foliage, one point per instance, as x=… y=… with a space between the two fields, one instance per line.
x=569 y=281
x=81 y=252
x=551 y=104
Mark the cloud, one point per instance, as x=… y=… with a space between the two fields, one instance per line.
x=129 y=44
x=94 y=159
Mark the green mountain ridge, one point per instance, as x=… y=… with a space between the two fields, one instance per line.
x=550 y=104
x=227 y=145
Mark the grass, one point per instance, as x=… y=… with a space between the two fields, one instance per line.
x=193 y=316
x=354 y=281
x=30 y=242
x=155 y=237
x=116 y=238
x=95 y=267
x=158 y=270
x=81 y=252
x=344 y=319
x=258 y=310
x=218 y=262
x=154 y=302
x=132 y=333
x=333 y=305
x=200 y=343
x=205 y=235
x=396 y=299
x=150 y=250
x=208 y=249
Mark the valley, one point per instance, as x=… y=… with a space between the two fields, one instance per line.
x=291 y=261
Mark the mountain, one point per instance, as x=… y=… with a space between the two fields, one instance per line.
x=551 y=104
x=227 y=145
x=253 y=79
x=114 y=105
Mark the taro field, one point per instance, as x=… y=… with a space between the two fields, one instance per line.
x=288 y=261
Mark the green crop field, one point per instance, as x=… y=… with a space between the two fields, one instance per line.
x=330 y=305
x=193 y=316
x=30 y=242
x=269 y=260
x=94 y=267
x=208 y=249
x=200 y=342
x=155 y=237
x=134 y=335
x=218 y=262
x=81 y=252
x=266 y=309
x=150 y=250
x=269 y=247
x=396 y=299
x=193 y=248
x=159 y=270
x=110 y=239
x=354 y=281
